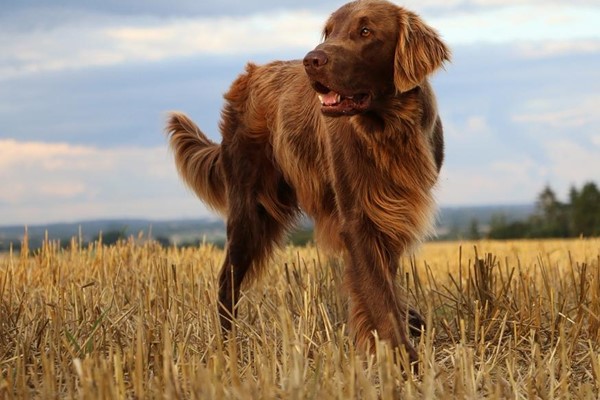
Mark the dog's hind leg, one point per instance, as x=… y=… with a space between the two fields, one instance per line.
x=262 y=207
x=251 y=237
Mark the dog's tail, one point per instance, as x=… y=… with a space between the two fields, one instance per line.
x=198 y=161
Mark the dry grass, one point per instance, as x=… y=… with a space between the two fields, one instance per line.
x=508 y=320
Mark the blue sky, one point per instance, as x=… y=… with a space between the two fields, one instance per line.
x=84 y=88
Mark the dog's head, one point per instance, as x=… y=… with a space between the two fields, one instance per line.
x=371 y=49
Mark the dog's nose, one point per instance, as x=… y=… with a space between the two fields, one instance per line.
x=315 y=59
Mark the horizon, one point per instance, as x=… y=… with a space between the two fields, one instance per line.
x=85 y=87
x=212 y=217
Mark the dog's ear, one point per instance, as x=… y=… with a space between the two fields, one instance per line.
x=419 y=51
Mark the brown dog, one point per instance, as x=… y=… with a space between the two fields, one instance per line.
x=351 y=136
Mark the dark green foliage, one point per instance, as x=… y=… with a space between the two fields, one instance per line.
x=500 y=229
x=163 y=241
x=474 y=232
x=301 y=237
x=585 y=210
x=112 y=237
x=554 y=219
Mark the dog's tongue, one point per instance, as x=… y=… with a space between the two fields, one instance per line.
x=330 y=98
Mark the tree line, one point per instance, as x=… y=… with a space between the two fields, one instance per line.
x=552 y=218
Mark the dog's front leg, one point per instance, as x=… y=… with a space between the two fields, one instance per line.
x=371 y=266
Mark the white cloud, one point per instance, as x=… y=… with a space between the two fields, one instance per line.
x=101 y=40
x=477 y=124
x=545 y=49
x=554 y=113
x=520 y=22
x=51 y=156
x=57 y=181
x=513 y=180
x=450 y=4
x=568 y=118
x=473 y=127
x=138 y=39
x=571 y=163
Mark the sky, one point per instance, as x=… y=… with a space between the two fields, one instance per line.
x=85 y=88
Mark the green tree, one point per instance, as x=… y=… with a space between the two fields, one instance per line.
x=500 y=228
x=551 y=216
x=585 y=210
x=112 y=236
x=474 y=233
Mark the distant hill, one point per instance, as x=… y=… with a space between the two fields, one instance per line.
x=453 y=222
x=176 y=231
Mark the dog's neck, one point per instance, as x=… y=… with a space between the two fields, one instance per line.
x=383 y=118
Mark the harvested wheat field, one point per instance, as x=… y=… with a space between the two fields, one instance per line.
x=514 y=319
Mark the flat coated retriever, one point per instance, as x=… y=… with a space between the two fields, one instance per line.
x=351 y=136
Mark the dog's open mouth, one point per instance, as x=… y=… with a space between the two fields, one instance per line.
x=333 y=103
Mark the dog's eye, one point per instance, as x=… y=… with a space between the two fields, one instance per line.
x=364 y=32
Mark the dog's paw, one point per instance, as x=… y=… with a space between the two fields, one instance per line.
x=416 y=322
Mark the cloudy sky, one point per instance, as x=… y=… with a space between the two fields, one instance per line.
x=84 y=88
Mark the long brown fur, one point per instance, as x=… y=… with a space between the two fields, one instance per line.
x=363 y=172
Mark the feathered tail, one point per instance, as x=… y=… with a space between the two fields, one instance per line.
x=198 y=161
